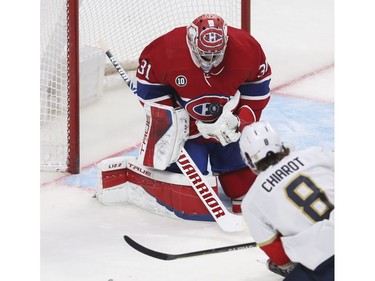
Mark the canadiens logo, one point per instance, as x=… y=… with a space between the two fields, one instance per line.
x=212 y=38
x=206 y=108
x=181 y=81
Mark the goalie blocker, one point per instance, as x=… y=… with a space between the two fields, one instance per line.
x=124 y=180
x=163 y=140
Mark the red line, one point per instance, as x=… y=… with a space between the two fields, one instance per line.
x=92 y=164
x=303 y=77
x=114 y=155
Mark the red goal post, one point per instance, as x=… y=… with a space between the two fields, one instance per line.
x=71 y=61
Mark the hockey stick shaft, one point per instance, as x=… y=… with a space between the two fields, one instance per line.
x=118 y=67
x=226 y=220
x=165 y=256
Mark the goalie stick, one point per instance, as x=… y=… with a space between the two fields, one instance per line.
x=168 y=257
x=227 y=221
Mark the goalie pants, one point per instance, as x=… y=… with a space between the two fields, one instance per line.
x=324 y=272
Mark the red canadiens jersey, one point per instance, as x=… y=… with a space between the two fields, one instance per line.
x=168 y=75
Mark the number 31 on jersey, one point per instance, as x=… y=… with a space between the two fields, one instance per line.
x=144 y=69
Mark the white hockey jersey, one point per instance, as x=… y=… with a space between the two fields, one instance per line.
x=295 y=199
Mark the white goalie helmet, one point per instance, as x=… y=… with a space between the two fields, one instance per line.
x=257 y=140
x=207 y=40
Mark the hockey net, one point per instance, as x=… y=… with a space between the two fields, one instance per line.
x=71 y=78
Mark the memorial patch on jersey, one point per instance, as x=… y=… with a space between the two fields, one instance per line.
x=181 y=81
x=206 y=108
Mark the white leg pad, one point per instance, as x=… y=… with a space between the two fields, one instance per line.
x=122 y=191
x=139 y=197
x=117 y=193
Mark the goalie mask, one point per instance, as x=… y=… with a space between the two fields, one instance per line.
x=257 y=140
x=207 y=40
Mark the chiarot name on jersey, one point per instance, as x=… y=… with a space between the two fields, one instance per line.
x=281 y=173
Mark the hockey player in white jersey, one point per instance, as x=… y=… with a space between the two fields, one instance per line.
x=290 y=207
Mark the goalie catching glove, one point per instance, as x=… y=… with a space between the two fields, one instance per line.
x=227 y=128
x=224 y=130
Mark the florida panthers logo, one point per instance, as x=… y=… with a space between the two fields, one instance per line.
x=207 y=108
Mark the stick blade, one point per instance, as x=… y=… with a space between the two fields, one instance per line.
x=147 y=251
x=231 y=222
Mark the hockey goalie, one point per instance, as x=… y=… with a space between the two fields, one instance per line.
x=200 y=86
